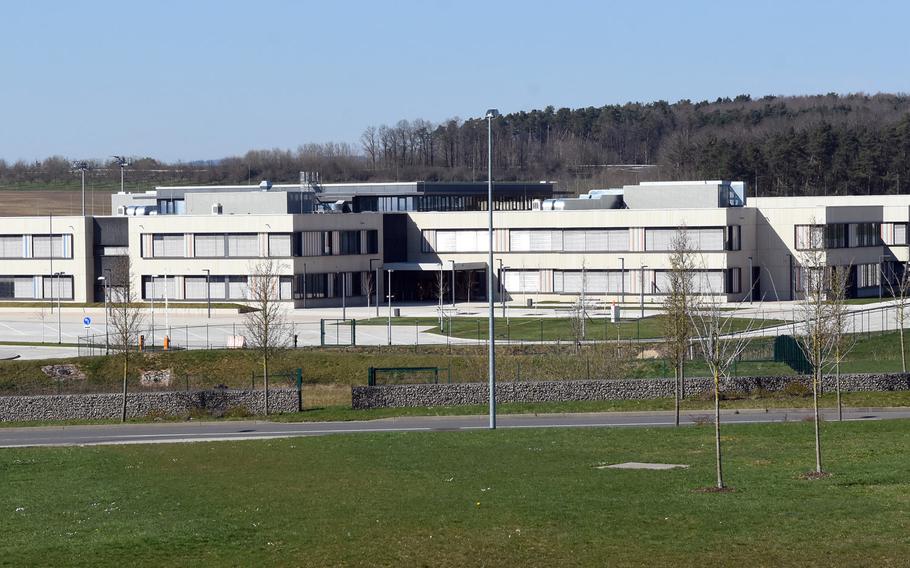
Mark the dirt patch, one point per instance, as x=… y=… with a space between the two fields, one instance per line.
x=63 y=373
x=156 y=378
x=813 y=475
x=714 y=490
x=649 y=354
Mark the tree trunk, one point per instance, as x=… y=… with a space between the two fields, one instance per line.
x=900 y=333
x=720 y=471
x=126 y=368
x=265 y=381
x=676 y=392
x=818 y=445
x=840 y=407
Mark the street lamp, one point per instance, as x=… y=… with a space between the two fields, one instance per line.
x=389 y=293
x=344 y=291
x=82 y=166
x=123 y=162
x=107 y=344
x=490 y=115
x=57 y=276
x=208 y=293
x=622 y=280
x=304 y=285
x=375 y=284
x=751 y=282
x=642 y=278
x=453 y=283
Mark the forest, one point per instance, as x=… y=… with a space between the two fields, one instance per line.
x=794 y=145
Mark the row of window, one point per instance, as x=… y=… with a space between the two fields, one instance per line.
x=576 y=282
x=840 y=235
x=250 y=245
x=36 y=287
x=319 y=285
x=36 y=246
x=706 y=239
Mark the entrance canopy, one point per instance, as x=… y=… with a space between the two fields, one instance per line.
x=434 y=266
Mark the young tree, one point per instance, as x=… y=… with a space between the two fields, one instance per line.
x=719 y=349
x=125 y=321
x=578 y=316
x=899 y=285
x=844 y=340
x=680 y=300
x=816 y=337
x=266 y=328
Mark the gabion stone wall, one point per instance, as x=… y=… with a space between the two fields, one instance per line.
x=140 y=404
x=425 y=395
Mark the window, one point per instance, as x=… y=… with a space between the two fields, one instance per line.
x=835 y=235
x=461 y=241
x=734 y=237
x=279 y=245
x=58 y=287
x=594 y=282
x=11 y=246
x=808 y=237
x=536 y=240
x=521 y=281
x=167 y=246
x=244 y=245
x=194 y=288
x=350 y=242
x=209 y=245
x=867 y=275
x=372 y=242
x=595 y=240
x=864 y=234
x=159 y=287
x=733 y=284
x=237 y=287
x=61 y=246
x=17 y=287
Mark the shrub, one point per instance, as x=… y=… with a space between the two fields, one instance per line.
x=797 y=389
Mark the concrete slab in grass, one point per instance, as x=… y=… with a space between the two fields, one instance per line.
x=641 y=465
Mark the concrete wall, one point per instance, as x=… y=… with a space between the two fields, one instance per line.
x=398 y=396
x=172 y=403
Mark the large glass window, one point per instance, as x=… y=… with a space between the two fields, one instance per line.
x=279 y=245
x=56 y=246
x=17 y=287
x=244 y=245
x=209 y=245
x=58 y=287
x=11 y=246
x=167 y=246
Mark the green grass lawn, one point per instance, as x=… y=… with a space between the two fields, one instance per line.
x=503 y=498
x=550 y=329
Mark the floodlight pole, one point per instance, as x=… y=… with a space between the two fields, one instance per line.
x=57 y=278
x=453 y=283
x=389 y=294
x=344 y=310
x=208 y=293
x=751 y=282
x=622 y=280
x=642 y=278
x=107 y=344
x=376 y=283
x=490 y=115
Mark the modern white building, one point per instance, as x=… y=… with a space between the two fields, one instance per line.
x=334 y=243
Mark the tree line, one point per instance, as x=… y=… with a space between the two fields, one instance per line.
x=808 y=145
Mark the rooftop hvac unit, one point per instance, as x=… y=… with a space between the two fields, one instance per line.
x=216 y=209
x=265 y=185
x=536 y=205
x=121 y=210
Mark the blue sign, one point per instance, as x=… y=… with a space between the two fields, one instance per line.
x=87 y=321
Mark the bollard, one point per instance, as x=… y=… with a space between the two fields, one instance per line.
x=141 y=342
x=167 y=342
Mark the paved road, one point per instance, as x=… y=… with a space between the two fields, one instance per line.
x=221 y=431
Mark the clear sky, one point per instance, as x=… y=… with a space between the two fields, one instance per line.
x=187 y=80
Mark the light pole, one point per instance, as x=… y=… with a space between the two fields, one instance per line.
x=642 y=278
x=751 y=282
x=622 y=280
x=304 y=285
x=107 y=344
x=389 y=293
x=123 y=162
x=208 y=293
x=376 y=283
x=453 y=283
x=881 y=275
x=82 y=166
x=490 y=115
x=344 y=291
x=57 y=276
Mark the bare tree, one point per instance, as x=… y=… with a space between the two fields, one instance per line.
x=442 y=288
x=126 y=321
x=816 y=337
x=719 y=349
x=578 y=316
x=844 y=340
x=266 y=328
x=679 y=302
x=899 y=285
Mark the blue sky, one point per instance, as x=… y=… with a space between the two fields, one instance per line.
x=205 y=79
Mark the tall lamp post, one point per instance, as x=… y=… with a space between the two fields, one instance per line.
x=453 y=283
x=751 y=282
x=123 y=162
x=82 y=166
x=107 y=344
x=642 y=278
x=57 y=276
x=389 y=294
x=490 y=115
x=622 y=280
x=375 y=284
x=208 y=293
